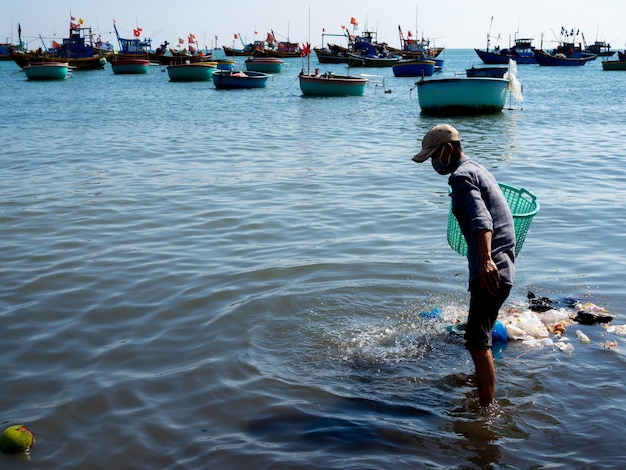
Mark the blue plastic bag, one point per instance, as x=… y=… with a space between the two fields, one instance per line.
x=434 y=313
x=499 y=332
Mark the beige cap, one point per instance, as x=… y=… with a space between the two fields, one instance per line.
x=434 y=138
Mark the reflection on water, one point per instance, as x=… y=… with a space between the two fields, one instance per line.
x=235 y=280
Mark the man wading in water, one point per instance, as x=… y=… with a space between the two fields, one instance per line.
x=487 y=225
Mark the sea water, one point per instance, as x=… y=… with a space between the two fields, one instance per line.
x=195 y=278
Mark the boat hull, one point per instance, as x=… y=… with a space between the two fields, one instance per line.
x=364 y=61
x=96 y=62
x=495 y=58
x=264 y=64
x=332 y=85
x=548 y=60
x=130 y=66
x=226 y=79
x=414 y=68
x=195 y=72
x=494 y=72
x=462 y=96
x=333 y=55
x=614 y=65
x=47 y=71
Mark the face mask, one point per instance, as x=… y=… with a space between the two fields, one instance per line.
x=440 y=167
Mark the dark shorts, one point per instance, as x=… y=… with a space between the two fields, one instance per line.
x=483 y=313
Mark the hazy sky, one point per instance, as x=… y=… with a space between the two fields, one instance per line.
x=450 y=23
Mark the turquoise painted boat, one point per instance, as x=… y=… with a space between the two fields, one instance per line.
x=47 y=71
x=194 y=72
x=414 y=68
x=329 y=84
x=462 y=96
x=228 y=79
x=264 y=64
x=130 y=66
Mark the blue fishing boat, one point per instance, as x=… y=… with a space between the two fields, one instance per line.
x=462 y=96
x=78 y=50
x=521 y=52
x=229 y=79
x=192 y=72
x=47 y=71
x=495 y=72
x=365 y=51
x=414 y=68
x=356 y=60
x=560 y=59
x=4 y=50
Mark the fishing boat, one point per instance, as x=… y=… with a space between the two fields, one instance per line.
x=77 y=50
x=245 y=51
x=130 y=66
x=229 y=79
x=135 y=48
x=414 y=68
x=356 y=60
x=600 y=48
x=264 y=64
x=4 y=50
x=47 y=71
x=559 y=59
x=614 y=65
x=191 y=72
x=521 y=52
x=462 y=96
x=495 y=72
x=333 y=54
x=411 y=48
x=365 y=51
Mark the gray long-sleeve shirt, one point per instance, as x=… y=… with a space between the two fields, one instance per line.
x=478 y=203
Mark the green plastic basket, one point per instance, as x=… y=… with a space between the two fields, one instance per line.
x=524 y=206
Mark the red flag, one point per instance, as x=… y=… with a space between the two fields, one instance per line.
x=137 y=32
x=305 y=49
x=191 y=39
x=236 y=36
x=73 y=25
x=410 y=34
x=72 y=18
x=56 y=45
x=323 y=30
x=353 y=21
